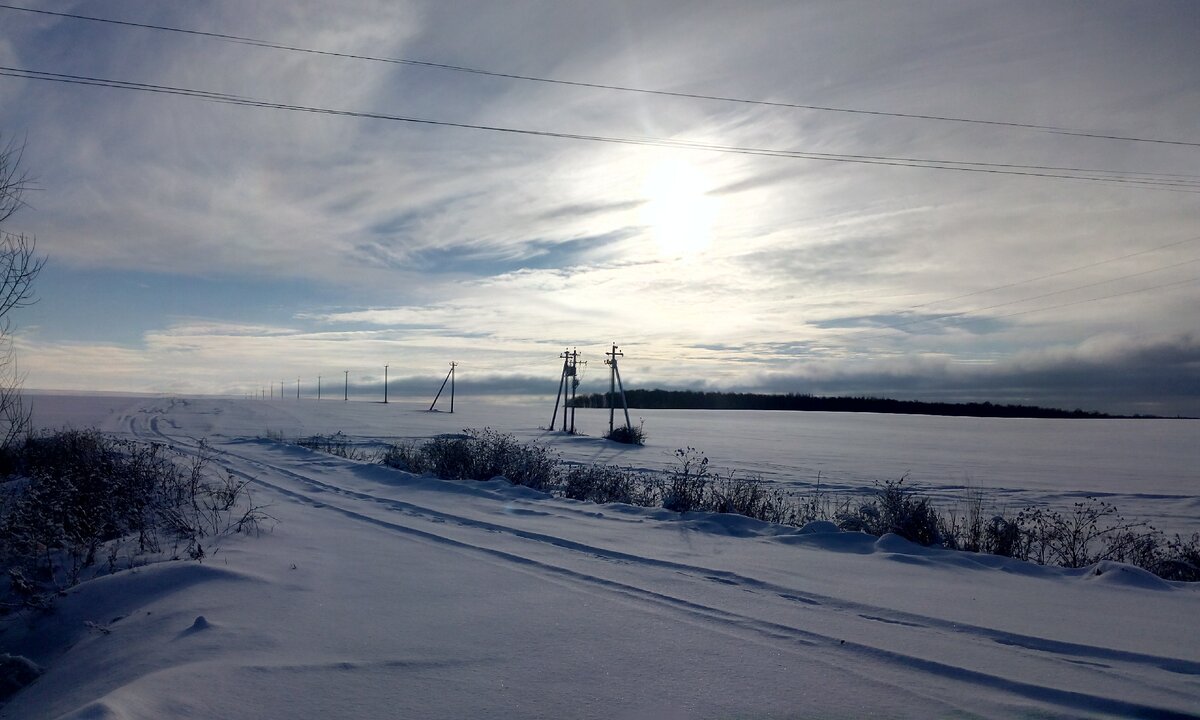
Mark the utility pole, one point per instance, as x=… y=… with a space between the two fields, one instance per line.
x=385 y=367
x=297 y=388
x=574 y=384
x=346 y=390
x=614 y=383
x=562 y=384
x=567 y=384
x=318 y=388
x=450 y=378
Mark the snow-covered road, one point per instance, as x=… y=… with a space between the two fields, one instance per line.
x=380 y=594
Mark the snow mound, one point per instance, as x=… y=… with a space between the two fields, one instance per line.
x=816 y=527
x=1107 y=572
x=200 y=624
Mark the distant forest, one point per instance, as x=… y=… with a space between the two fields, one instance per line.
x=699 y=400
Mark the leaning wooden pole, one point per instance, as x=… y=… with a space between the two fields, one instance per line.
x=624 y=403
x=443 y=387
x=562 y=381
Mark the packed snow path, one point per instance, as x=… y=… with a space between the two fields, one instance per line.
x=381 y=594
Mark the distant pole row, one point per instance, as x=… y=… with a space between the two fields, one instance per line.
x=268 y=391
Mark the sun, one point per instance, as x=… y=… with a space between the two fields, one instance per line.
x=678 y=211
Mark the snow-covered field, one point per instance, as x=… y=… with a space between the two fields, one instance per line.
x=380 y=594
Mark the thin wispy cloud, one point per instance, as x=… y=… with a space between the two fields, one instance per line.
x=366 y=241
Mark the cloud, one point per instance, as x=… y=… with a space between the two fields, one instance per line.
x=329 y=238
x=1116 y=373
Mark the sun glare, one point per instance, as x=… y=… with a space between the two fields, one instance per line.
x=678 y=210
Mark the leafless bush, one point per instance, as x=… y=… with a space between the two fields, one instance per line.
x=752 y=497
x=685 y=487
x=628 y=434
x=74 y=494
x=607 y=484
x=477 y=455
x=897 y=509
x=1090 y=532
x=336 y=444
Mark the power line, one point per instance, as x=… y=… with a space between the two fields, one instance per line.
x=1056 y=274
x=965 y=313
x=604 y=86
x=1102 y=297
x=1074 y=303
x=959 y=166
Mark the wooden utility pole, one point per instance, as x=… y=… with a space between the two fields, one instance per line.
x=297 y=388
x=385 y=367
x=318 y=388
x=614 y=383
x=562 y=384
x=450 y=378
x=346 y=390
x=574 y=385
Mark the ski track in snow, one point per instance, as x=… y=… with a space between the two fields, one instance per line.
x=637 y=579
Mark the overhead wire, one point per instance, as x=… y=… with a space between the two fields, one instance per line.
x=974 y=311
x=1163 y=181
x=256 y=42
x=1102 y=297
x=1056 y=274
x=1169 y=185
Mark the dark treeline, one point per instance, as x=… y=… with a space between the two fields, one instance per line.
x=700 y=400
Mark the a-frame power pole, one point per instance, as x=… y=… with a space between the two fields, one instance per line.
x=568 y=381
x=614 y=383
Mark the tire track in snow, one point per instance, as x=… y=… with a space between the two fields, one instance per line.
x=795 y=639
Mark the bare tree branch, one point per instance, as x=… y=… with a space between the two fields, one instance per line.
x=19 y=266
x=13 y=181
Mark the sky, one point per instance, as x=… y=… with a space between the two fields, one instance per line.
x=204 y=239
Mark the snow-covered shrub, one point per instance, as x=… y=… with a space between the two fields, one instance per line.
x=1002 y=536
x=686 y=486
x=1178 y=559
x=478 y=455
x=497 y=454
x=628 y=435
x=336 y=444
x=404 y=455
x=607 y=484
x=896 y=509
x=73 y=494
x=1089 y=532
x=752 y=497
